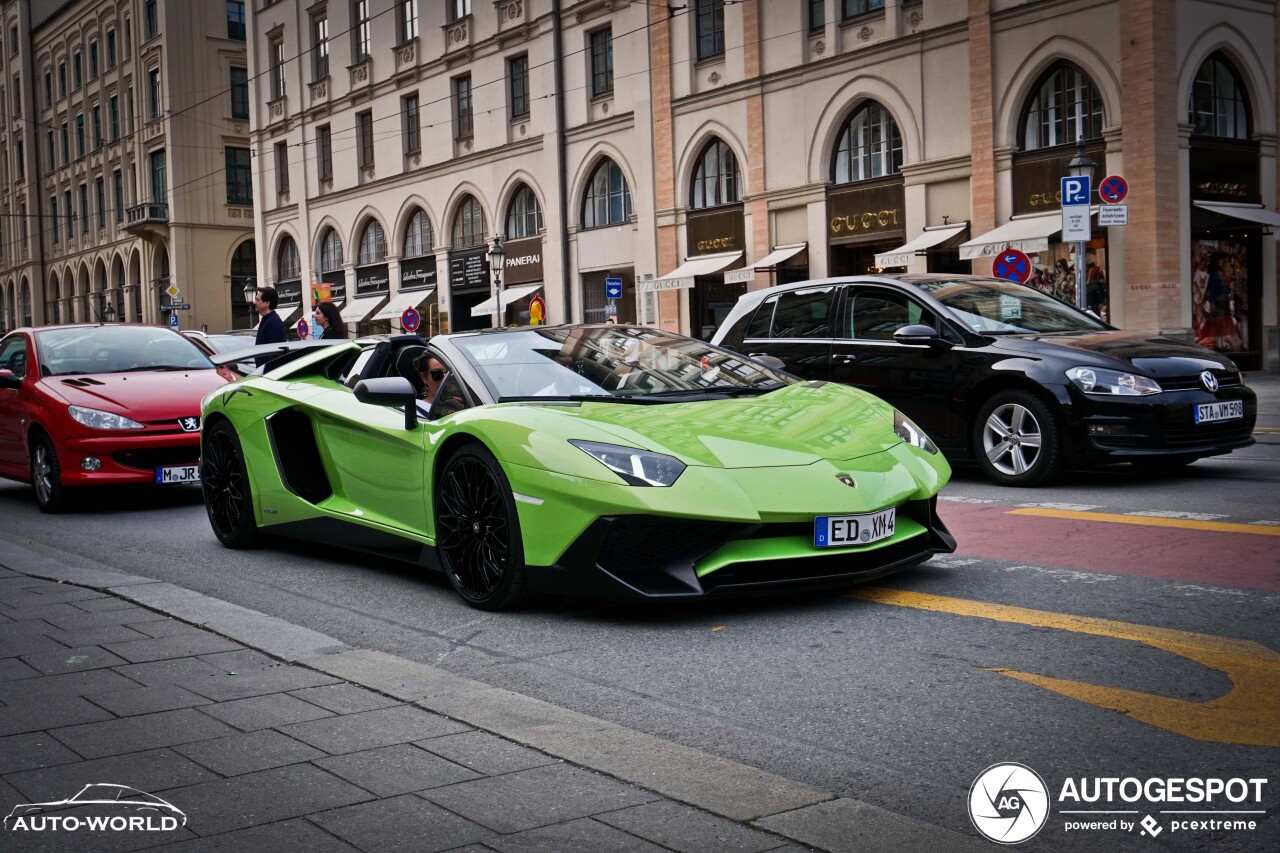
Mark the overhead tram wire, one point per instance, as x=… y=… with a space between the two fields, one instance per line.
x=342 y=133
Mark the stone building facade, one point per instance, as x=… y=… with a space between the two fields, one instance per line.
x=689 y=152
x=126 y=192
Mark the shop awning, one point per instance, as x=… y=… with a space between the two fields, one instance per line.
x=931 y=236
x=358 y=310
x=1030 y=234
x=289 y=313
x=401 y=301
x=769 y=261
x=1247 y=212
x=509 y=295
x=682 y=276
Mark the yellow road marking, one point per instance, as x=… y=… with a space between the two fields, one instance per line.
x=1249 y=713
x=1151 y=521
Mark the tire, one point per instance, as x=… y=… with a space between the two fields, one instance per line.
x=478 y=531
x=46 y=476
x=224 y=480
x=1017 y=440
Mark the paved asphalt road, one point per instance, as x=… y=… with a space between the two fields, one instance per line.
x=1126 y=589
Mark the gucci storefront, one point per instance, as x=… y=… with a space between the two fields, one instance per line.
x=719 y=238
x=1037 y=191
x=863 y=221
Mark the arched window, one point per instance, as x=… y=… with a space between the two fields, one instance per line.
x=524 y=216
x=330 y=252
x=55 y=292
x=244 y=263
x=418 y=238
x=717 y=180
x=469 y=225
x=1066 y=108
x=608 y=200
x=869 y=147
x=26 y=303
x=373 y=244
x=288 y=263
x=1217 y=105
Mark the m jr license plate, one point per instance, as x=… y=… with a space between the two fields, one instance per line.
x=834 y=530
x=1229 y=410
x=178 y=474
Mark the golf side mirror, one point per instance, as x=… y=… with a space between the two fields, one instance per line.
x=920 y=335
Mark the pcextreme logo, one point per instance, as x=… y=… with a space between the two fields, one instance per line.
x=101 y=807
x=1009 y=803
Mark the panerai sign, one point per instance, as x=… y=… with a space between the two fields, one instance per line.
x=523 y=261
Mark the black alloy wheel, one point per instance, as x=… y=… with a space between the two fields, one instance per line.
x=46 y=475
x=225 y=482
x=478 y=532
x=1017 y=440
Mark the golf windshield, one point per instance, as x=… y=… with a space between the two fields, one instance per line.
x=615 y=362
x=116 y=349
x=991 y=306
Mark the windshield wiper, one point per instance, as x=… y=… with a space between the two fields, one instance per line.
x=726 y=390
x=571 y=398
x=156 y=367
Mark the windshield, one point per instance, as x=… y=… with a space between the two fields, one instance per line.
x=616 y=362
x=993 y=306
x=116 y=349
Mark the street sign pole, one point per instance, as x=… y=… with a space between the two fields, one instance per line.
x=1075 y=226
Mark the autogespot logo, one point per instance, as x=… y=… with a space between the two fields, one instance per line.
x=1008 y=803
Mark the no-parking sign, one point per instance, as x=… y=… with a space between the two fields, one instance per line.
x=410 y=320
x=303 y=329
x=1012 y=265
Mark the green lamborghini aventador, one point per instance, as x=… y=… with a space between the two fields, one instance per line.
x=605 y=461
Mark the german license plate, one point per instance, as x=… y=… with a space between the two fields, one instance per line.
x=178 y=474
x=834 y=530
x=1229 y=410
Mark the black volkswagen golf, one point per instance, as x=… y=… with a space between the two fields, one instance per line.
x=1001 y=373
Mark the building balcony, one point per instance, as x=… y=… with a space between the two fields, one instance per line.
x=147 y=219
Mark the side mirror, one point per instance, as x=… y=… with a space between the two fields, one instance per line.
x=770 y=361
x=920 y=335
x=9 y=379
x=390 y=391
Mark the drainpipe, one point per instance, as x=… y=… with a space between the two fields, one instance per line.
x=562 y=176
x=32 y=181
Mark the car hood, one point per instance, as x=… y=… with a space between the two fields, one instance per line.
x=1149 y=354
x=143 y=395
x=796 y=425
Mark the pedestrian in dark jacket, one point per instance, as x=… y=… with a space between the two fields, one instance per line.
x=270 y=327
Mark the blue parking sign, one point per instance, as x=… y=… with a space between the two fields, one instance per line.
x=1075 y=190
x=613 y=288
x=173 y=321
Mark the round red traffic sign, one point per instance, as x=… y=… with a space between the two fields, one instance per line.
x=303 y=329
x=537 y=311
x=1113 y=189
x=410 y=319
x=1012 y=265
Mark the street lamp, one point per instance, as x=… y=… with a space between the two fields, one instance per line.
x=496 y=256
x=1081 y=166
x=108 y=313
x=250 y=291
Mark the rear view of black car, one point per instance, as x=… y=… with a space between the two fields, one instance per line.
x=1001 y=373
